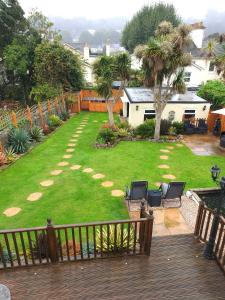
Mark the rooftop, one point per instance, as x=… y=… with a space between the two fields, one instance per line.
x=145 y=95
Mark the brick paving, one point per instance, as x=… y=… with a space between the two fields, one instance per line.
x=175 y=270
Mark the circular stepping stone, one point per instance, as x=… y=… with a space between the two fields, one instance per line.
x=75 y=167
x=76 y=135
x=170 y=147
x=157 y=184
x=12 y=211
x=73 y=140
x=70 y=150
x=117 y=193
x=88 y=170
x=80 y=128
x=71 y=145
x=163 y=166
x=95 y=121
x=63 y=163
x=34 y=196
x=67 y=156
x=98 y=176
x=169 y=176
x=164 y=150
x=107 y=183
x=79 y=131
x=47 y=183
x=56 y=172
x=179 y=145
x=163 y=157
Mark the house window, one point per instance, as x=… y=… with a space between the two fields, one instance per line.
x=149 y=114
x=189 y=113
x=171 y=116
x=211 y=66
x=187 y=76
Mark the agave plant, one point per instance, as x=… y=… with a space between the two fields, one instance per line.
x=10 y=154
x=115 y=241
x=36 y=133
x=19 y=140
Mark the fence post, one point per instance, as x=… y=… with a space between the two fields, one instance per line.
x=199 y=218
x=52 y=242
x=142 y=226
x=148 y=233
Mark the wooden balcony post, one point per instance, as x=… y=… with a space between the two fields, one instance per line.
x=148 y=233
x=199 y=218
x=142 y=226
x=52 y=242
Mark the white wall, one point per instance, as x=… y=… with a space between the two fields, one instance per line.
x=136 y=117
x=197 y=37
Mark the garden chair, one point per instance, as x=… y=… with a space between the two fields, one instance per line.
x=189 y=128
x=138 y=191
x=172 y=192
x=202 y=126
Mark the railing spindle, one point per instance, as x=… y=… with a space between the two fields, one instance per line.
x=67 y=245
x=80 y=240
x=8 y=249
x=74 y=244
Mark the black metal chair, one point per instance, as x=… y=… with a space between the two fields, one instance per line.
x=188 y=127
x=137 y=192
x=172 y=191
x=202 y=126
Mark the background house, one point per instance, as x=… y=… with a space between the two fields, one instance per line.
x=138 y=105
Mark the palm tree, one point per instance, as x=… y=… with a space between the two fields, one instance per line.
x=162 y=59
x=210 y=48
x=108 y=69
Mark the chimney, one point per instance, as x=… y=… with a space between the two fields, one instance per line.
x=86 y=52
x=197 y=34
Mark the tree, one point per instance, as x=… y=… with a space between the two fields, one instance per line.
x=143 y=25
x=162 y=61
x=220 y=63
x=12 y=22
x=57 y=66
x=107 y=69
x=214 y=92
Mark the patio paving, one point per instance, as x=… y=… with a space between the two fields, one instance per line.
x=203 y=145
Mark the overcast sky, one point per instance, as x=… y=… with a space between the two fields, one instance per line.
x=117 y=8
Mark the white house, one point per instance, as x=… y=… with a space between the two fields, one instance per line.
x=138 y=105
x=202 y=68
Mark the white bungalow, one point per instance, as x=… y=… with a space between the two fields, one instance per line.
x=138 y=105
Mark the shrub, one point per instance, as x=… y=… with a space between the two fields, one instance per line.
x=19 y=140
x=107 y=135
x=179 y=127
x=10 y=154
x=64 y=115
x=2 y=159
x=165 y=126
x=146 y=129
x=124 y=125
x=36 y=133
x=23 y=123
x=120 y=244
x=44 y=92
x=123 y=132
x=172 y=131
x=54 y=121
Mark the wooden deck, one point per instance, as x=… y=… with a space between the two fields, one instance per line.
x=175 y=270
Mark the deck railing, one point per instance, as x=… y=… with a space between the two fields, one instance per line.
x=49 y=244
x=202 y=231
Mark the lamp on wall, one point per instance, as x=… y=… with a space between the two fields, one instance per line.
x=137 y=107
x=204 y=107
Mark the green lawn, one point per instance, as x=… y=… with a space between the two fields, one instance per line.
x=75 y=196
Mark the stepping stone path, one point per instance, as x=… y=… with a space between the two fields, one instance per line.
x=117 y=193
x=164 y=150
x=79 y=131
x=70 y=150
x=95 y=121
x=71 y=145
x=170 y=147
x=88 y=170
x=56 y=172
x=157 y=184
x=163 y=166
x=12 y=211
x=80 y=127
x=34 y=196
x=107 y=184
x=73 y=140
x=67 y=156
x=163 y=157
x=179 y=145
x=76 y=135
x=47 y=183
x=63 y=163
x=98 y=176
x=75 y=167
x=169 y=176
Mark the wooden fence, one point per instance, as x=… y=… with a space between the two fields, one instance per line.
x=202 y=231
x=50 y=244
